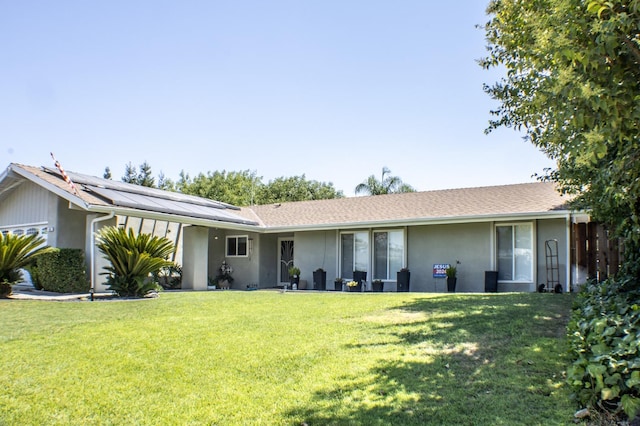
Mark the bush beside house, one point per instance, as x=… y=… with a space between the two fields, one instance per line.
x=61 y=270
x=604 y=334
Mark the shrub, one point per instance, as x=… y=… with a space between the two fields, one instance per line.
x=169 y=277
x=133 y=258
x=16 y=252
x=604 y=335
x=61 y=270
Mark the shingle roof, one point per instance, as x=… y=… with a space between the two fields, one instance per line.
x=468 y=203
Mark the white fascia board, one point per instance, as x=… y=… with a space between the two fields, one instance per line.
x=560 y=214
x=73 y=199
x=185 y=220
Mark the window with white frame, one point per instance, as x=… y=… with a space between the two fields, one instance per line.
x=388 y=254
x=237 y=246
x=354 y=253
x=515 y=252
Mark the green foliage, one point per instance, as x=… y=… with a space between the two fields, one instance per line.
x=386 y=185
x=131 y=175
x=294 y=270
x=451 y=272
x=133 y=258
x=16 y=252
x=245 y=188
x=236 y=188
x=61 y=270
x=35 y=277
x=573 y=85
x=604 y=334
x=296 y=188
x=169 y=277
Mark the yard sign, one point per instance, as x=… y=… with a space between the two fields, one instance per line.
x=439 y=270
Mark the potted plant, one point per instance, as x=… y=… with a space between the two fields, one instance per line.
x=294 y=275
x=338 y=284
x=224 y=279
x=319 y=279
x=403 y=277
x=354 y=286
x=451 y=273
x=377 y=286
x=359 y=276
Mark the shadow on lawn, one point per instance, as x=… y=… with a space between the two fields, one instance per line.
x=486 y=361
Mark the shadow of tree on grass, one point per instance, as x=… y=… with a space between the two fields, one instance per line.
x=495 y=359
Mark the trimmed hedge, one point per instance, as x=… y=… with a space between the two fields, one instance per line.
x=63 y=271
x=604 y=335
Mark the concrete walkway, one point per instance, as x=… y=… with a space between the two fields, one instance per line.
x=27 y=292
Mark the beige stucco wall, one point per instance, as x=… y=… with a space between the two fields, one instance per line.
x=550 y=230
x=196 y=258
x=268 y=260
x=246 y=269
x=69 y=226
x=470 y=244
x=313 y=250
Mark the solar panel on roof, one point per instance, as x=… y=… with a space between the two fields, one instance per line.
x=95 y=182
x=163 y=205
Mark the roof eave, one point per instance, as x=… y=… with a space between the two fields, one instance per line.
x=186 y=220
x=73 y=199
x=556 y=214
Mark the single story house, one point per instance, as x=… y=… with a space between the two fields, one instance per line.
x=524 y=232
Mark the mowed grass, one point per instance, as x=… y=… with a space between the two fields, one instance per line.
x=266 y=357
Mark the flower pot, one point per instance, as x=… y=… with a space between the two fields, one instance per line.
x=319 y=279
x=338 y=286
x=451 y=284
x=356 y=288
x=403 y=278
x=359 y=276
x=377 y=286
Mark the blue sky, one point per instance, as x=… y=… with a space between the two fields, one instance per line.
x=334 y=90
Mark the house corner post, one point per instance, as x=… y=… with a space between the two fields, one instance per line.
x=195 y=256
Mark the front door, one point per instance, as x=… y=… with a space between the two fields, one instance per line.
x=285 y=260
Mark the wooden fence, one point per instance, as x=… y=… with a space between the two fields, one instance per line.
x=594 y=249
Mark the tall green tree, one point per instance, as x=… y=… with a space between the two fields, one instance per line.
x=237 y=188
x=165 y=183
x=573 y=85
x=296 y=188
x=386 y=185
x=131 y=175
x=145 y=176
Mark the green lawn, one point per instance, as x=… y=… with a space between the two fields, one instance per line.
x=265 y=357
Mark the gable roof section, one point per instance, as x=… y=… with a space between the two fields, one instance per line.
x=442 y=206
x=103 y=195
x=527 y=200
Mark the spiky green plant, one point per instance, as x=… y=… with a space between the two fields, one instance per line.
x=17 y=251
x=133 y=258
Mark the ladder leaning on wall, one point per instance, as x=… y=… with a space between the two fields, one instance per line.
x=553 y=269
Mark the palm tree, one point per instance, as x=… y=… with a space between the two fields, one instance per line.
x=386 y=185
x=133 y=259
x=16 y=252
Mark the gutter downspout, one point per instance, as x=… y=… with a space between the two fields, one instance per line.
x=93 y=249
